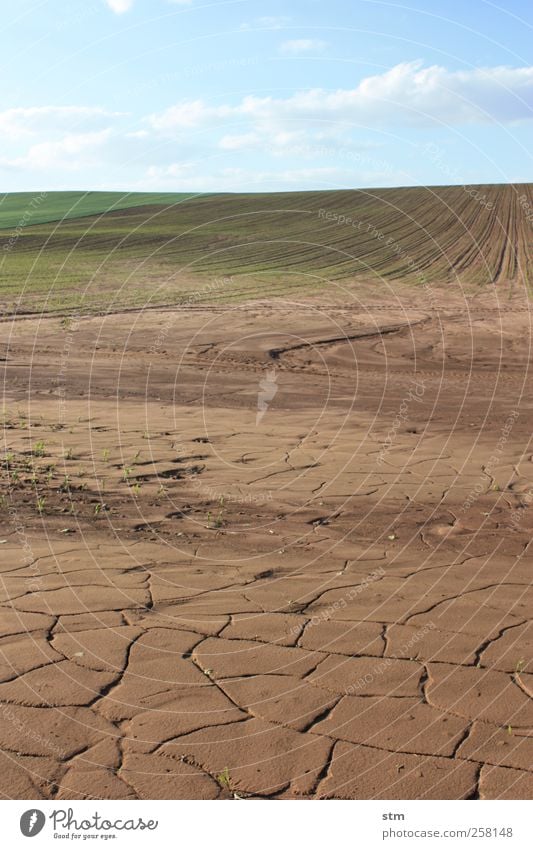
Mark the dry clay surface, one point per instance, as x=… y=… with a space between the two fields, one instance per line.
x=268 y=552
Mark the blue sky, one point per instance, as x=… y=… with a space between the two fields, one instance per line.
x=241 y=95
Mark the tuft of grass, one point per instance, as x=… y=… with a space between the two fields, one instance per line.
x=39 y=449
x=224 y=778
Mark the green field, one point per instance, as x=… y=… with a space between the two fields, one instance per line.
x=25 y=208
x=131 y=250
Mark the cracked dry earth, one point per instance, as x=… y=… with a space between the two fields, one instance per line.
x=330 y=599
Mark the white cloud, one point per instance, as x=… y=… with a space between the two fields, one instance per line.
x=297 y=46
x=268 y=22
x=407 y=94
x=24 y=122
x=74 y=151
x=119 y=6
x=191 y=113
x=238 y=142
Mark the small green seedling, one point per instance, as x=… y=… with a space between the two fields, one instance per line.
x=224 y=778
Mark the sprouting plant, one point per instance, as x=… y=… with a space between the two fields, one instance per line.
x=208 y=518
x=65 y=322
x=68 y=454
x=97 y=509
x=105 y=455
x=136 y=488
x=65 y=485
x=40 y=503
x=219 y=521
x=509 y=729
x=9 y=458
x=520 y=665
x=224 y=778
x=39 y=449
x=136 y=456
x=126 y=472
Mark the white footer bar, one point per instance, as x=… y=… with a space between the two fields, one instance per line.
x=255 y=824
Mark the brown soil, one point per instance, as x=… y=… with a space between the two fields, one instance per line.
x=272 y=551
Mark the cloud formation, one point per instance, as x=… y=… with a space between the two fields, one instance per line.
x=119 y=6
x=408 y=94
x=26 y=122
x=267 y=22
x=298 y=46
x=196 y=144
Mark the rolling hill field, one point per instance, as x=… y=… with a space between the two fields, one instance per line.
x=106 y=250
x=271 y=538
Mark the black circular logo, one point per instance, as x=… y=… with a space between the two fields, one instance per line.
x=32 y=822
